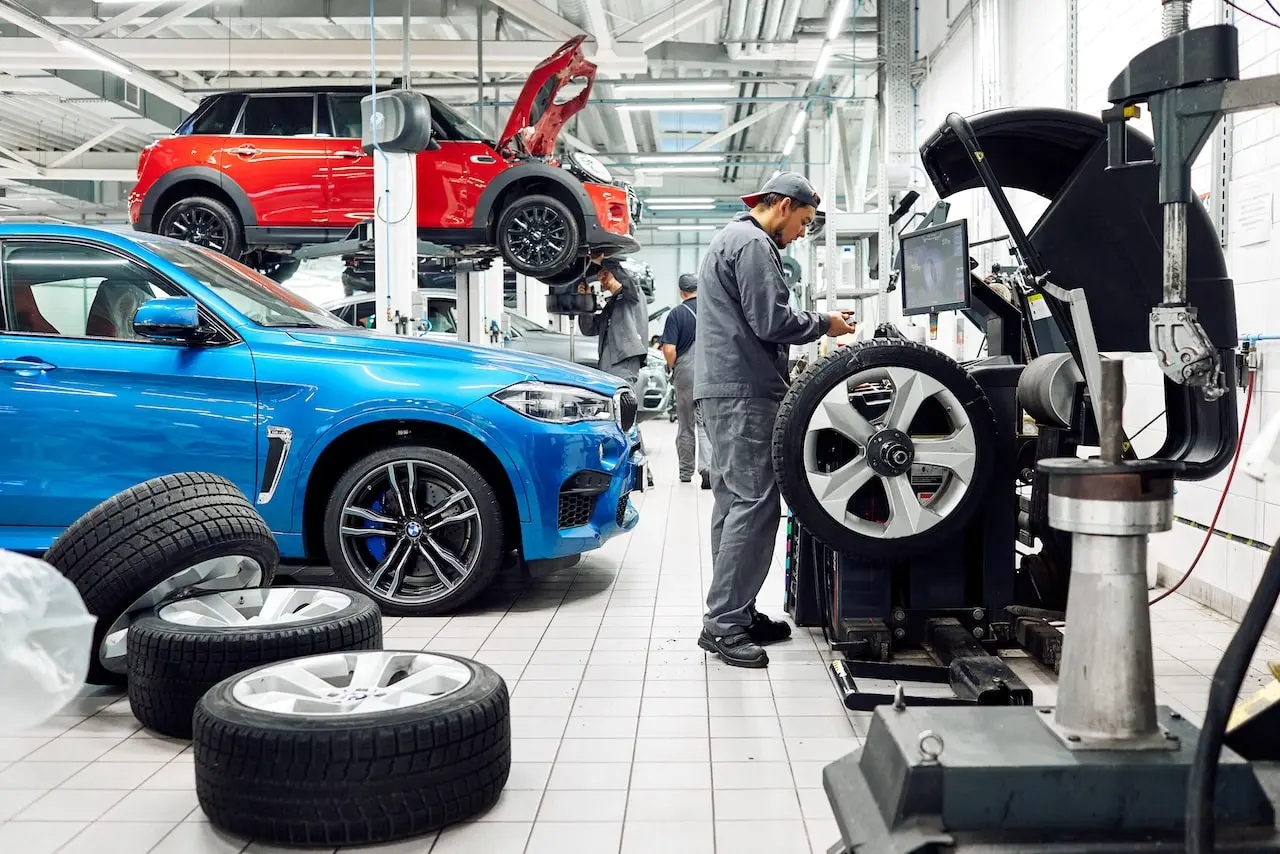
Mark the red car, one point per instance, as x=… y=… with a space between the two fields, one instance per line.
x=255 y=174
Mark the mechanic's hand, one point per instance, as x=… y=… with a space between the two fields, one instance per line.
x=842 y=323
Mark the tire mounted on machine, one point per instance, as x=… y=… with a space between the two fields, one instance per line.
x=325 y=769
x=188 y=646
x=163 y=539
x=822 y=443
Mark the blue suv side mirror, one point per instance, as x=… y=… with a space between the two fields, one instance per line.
x=168 y=318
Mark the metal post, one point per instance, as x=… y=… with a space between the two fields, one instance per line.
x=480 y=63
x=1072 y=64
x=831 y=261
x=405 y=36
x=894 y=127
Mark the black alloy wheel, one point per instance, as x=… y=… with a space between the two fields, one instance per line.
x=538 y=236
x=417 y=529
x=205 y=222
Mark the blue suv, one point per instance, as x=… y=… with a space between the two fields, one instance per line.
x=412 y=467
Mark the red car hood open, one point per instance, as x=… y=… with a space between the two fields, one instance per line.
x=537 y=108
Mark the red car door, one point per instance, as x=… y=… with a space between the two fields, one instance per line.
x=350 y=168
x=279 y=160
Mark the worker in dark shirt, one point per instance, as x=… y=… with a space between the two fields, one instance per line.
x=747 y=327
x=678 y=335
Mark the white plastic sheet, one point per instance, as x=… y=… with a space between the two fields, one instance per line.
x=46 y=638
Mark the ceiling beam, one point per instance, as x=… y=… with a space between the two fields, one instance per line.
x=19 y=172
x=334 y=55
x=739 y=126
x=670 y=22
x=92 y=160
x=90 y=53
x=599 y=24
x=128 y=16
x=539 y=17
x=183 y=12
x=86 y=145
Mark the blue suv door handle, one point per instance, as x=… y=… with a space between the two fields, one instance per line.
x=26 y=366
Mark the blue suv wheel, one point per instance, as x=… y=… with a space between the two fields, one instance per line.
x=417 y=529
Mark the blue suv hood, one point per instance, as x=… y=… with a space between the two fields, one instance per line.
x=522 y=366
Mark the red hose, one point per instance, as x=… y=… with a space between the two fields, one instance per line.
x=1213 y=526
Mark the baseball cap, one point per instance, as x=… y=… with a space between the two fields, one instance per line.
x=793 y=185
x=688 y=283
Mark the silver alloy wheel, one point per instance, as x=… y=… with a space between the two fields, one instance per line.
x=351 y=683
x=888 y=452
x=261 y=606
x=230 y=572
x=429 y=527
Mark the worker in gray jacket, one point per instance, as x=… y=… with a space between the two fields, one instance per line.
x=745 y=329
x=622 y=325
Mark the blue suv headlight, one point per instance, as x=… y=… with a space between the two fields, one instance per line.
x=557 y=404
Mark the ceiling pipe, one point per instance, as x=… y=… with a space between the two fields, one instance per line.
x=790 y=16
x=755 y=15
x=737 y=25
x=772 y=20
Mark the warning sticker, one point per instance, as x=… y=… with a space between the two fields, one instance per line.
x=1039 y=308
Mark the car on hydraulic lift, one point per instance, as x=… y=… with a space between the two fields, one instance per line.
x=255 y=174
x=414 y=467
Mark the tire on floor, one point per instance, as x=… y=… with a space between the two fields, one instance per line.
x=373 y=747
x=188 y=646
x=155 y=542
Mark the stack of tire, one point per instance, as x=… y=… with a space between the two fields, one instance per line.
x=305 y=731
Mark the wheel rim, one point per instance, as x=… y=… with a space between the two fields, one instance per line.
x=351 y=683
x=537 y=236
x=200 y=226
x=231 y=572
x=256 y=607
x=411 y=531
x=887 y=450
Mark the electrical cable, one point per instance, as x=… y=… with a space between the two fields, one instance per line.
x=1274 y=8
x=1226 y=489
x=1252 y=15
x=1223 y=691
x=1144 y=427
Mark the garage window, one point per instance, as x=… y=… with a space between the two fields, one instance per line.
x=279 y=115
x=73 y=290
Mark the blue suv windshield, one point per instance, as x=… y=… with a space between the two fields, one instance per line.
x=255 y=296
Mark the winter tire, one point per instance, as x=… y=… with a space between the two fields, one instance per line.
x=352 y=748
x=417 y=529
x=158 y=541
x=538 y=236
x=205 y=222
x=884 y=449
x=188 y=646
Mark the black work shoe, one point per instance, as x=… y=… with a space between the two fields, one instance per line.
x=685 y=478
x=766 y=631
x=706 y=479
x=736 y=650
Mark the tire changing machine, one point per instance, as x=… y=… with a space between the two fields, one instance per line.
x=1106 y=770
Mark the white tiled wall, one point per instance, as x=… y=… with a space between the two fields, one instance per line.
x=1110 y=34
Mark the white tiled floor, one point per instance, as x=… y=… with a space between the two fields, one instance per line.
x=626 y=737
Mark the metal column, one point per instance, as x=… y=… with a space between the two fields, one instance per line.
x=894 y=126
x=1071 y=65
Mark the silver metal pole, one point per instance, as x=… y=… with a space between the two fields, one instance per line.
x=480 y=64
x=405 y=36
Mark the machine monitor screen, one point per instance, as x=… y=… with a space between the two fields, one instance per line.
x=935 y=269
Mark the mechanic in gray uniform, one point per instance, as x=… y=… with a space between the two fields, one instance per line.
x=678 y=335
x=621 y=325
x=746 y=327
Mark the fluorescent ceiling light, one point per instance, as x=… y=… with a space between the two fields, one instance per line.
x=681 y=158
x=663 y=107
x=697 y=170
x=687 y=227
x=823 y=58
x=682 y=207
x=679 y=200
x=837 y=18
x=801 y=118
x=673 y=86
x=790 y=146
x=109 y=64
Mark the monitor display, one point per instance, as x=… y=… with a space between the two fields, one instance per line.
x=935 y=269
